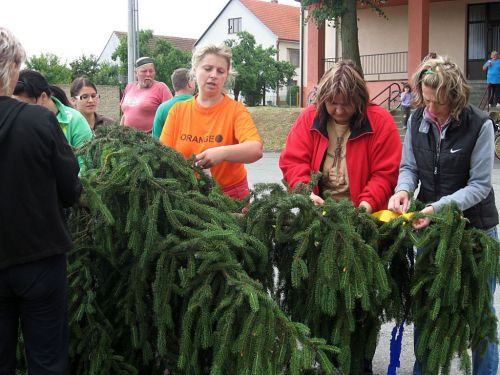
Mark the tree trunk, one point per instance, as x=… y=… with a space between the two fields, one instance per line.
x=349 y=33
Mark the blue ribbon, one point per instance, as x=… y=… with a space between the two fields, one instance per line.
x=395 y=349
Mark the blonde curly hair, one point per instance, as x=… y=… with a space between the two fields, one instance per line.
x=444 y=76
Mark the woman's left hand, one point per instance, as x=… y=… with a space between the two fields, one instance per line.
x=425 y=221
x=367 y=206
x=210 y=157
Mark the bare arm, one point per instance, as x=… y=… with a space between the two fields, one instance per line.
x=246 y=152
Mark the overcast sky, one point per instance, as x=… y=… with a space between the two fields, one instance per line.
x=71 y=28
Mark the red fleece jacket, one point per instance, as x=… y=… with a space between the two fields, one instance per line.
x=373 y=154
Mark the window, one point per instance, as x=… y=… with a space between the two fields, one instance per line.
x=293 y=56
x=233 y=25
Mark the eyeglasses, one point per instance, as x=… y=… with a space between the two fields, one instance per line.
x=87 y=96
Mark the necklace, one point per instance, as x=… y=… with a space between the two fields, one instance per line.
x=333 y=131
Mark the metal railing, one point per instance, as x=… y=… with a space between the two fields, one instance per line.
x=486 y=99
x=389 y=97
x=380 y=63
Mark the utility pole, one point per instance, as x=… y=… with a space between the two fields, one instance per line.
x=132 y=37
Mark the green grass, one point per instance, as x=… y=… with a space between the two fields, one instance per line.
x=274 y=124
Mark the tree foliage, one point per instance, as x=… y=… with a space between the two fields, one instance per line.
x=343 y=273
x=163 y=277
x=56 y=72
x=99 y=73
x=343 y=13
x=51 y=67
x=167 y=57
x=84 y=65
x=257 y=70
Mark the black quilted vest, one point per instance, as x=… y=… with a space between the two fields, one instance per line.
x=445 y=169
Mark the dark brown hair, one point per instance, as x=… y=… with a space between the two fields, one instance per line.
x=79 y=83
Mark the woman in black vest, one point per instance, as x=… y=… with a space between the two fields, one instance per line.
x=449 y=149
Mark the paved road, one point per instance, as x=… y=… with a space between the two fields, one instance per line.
x=267 y=170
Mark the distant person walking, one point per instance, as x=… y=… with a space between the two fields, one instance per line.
x=406 y=97
x=492 y=66
x=184 y=87
x=142 y=98
x=85 y=99
x=39 y=175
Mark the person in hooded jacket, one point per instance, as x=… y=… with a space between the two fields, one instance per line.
x=39 y=177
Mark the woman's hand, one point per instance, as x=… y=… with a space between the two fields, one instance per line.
x=399 y=202
x=367 y=206
x=316 y=199
x=425 y=221
x=211 y=157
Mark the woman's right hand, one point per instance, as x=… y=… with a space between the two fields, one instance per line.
x=317 y=200
x=399 y=202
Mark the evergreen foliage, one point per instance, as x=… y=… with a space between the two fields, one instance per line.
x=160 y=276
x=342 y=273
x=164 y=276
x=450 y=290
x=330 y=274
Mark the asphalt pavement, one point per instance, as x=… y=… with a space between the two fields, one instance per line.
x=267 y=170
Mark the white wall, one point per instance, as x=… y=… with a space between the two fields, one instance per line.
x=382 y=35
x=108 y=50
x=283 y=55
x=249 y=22
x=447 y=30
x=218 y=33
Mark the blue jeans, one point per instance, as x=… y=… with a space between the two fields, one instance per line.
x=487 y=364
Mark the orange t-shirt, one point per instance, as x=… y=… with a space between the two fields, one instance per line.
x=191 y=129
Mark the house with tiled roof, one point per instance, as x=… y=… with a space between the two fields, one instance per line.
x=184 y=44
x=271 y=23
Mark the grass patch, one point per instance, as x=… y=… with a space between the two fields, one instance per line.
x=274 y=124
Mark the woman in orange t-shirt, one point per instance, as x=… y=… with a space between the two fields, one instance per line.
x=218 y=130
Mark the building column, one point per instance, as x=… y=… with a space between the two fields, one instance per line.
x=418 y=33
x=315 y=57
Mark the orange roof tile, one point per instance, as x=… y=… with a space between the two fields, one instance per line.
x=283 y=20
x=184 y=44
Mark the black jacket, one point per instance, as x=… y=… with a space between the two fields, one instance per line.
x=443 y=171
x=38 y=178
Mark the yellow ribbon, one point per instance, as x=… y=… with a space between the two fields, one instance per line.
x=386 y=215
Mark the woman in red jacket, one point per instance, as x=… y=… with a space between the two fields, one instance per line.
x=352 y=142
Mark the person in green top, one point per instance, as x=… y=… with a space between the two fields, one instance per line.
x=33 y=88
x=184 y=87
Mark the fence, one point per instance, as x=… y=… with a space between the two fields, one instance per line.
x=380 y=65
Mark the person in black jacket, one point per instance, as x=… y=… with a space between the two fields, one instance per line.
x=38 y=179
x=449 y=150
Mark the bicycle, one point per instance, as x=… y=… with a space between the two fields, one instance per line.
x=495 y=117
x=311 y=98
x=497 y=144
